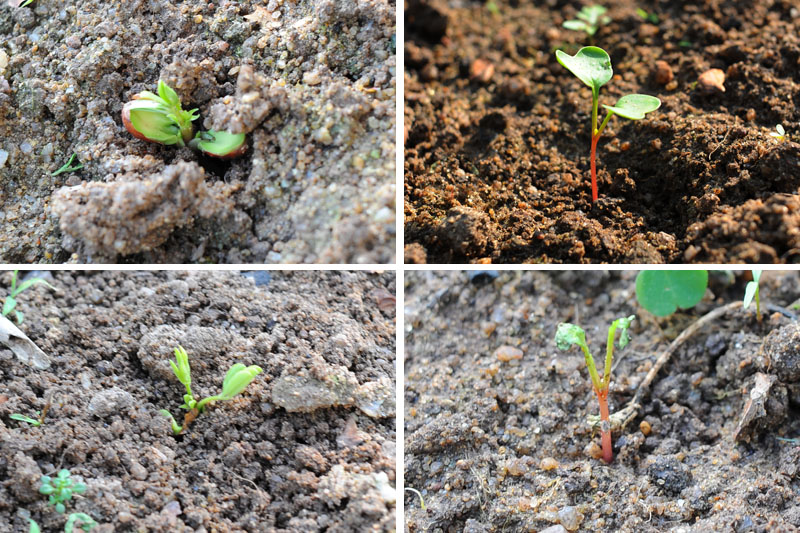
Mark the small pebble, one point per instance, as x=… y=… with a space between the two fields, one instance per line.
x=507 y=353
x=663 y=73
x=481 y=70
x=548 y=463
x=570 y=518
x=644 y=427
x=593 y=450
x=711 y=81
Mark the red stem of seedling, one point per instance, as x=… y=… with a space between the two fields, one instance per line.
x=602 y=397
x=595 y=138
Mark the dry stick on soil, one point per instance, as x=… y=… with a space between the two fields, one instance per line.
x=623 y=417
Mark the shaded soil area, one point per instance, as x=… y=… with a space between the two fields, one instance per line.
x=496 y=430
x=311 y=83
x=308 y=446
x=498 y=134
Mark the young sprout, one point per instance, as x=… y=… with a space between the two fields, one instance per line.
x=159 y=117
x=32 y=421
x=236 y=380
x=751 y=291
x=652 y=18
x=419 y=494
x=590 y=20
x=23 y=3
x=592 y=66
x=10 y=302
x=60 y=489
x=220 y=143
x=568 y=335
x=68 y=166
x=87 y=522
x=779 y=134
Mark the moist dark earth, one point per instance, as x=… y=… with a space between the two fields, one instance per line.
x=311 y=83
x=497 y=134
x=309 y=446
x=501 y=444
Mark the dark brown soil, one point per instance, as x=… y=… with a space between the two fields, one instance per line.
x=311 y=83
x=245 y=465
x=505 y=446
x=497 y=147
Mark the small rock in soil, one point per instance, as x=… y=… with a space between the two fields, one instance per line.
x=508 y=353
x=663 y=73
x=109 y=402
x=570 y=518
x=669 y=474
x=481 y=70
x=766 y=407
x=23 y=478
x=782 y=349
x=558 y=528
x=711 y=81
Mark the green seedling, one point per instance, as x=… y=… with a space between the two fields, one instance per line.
x=236 y=380
x=590 y=18
x=662 y=292
x=159 y=117
x=751 y=291
x=491 y=6
x=592 y=66
x=60 y=489
x=568 y=335
x=68 y=166
x=32 y=421
x=779 y=134
x=220 y=143
x=652 y=18
x=86 y=523
x=10 y=302
x=24 y=3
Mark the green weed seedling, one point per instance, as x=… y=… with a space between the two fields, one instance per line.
x=590 y=18
x=568 y=335
x=32 y=421
x=652 y=18
x=751 y=291
x=11 y=300
x=86 y=523
x=160 y=118
x=662 y=292
x=60 y=489
x=236 y=380
x=592 y=66
x=68 y=167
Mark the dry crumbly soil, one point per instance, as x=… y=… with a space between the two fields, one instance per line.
x=497 y=135
x=311 y=82
x=504 y=445
x=308 y=446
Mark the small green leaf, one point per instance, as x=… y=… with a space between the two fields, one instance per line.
x=237 y=379
x=219 y=143
x=634 y=106
x=23 y=418
x=28 y=283
x=9 y=305
x=623 y=324
x=590 y=64
x=87 y=522
x=569 y=334
x=168 y=94
x=663 y=291
x=19 y=317
x=34 y=527
x=46 y=489
x=575 y=25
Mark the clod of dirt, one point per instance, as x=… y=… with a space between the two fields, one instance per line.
x=767 y=406
x=126 y=217
x=23 y=478
x=481 y=70
x=782 y=350
x=302 y=394
x=669 y=474
x=468 y=231
x=662 y=73
x=711 y=81
x=108 y=402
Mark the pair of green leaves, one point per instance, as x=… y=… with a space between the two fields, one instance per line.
x=592 y=65
x=590 y=18
x=236 y=380
x=568 y=335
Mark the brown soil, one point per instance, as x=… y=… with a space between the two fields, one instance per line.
x=505 y=446
x=497 y=147
x=311 y=83
x=244 y=465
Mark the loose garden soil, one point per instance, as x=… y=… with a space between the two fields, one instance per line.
x=497 y=134
x=502 y=444
x=308 y=446
x=311 y=82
